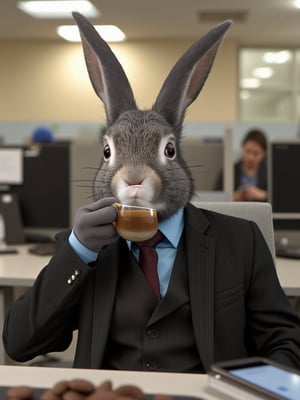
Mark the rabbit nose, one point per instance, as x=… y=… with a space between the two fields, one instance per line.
x=134 y=176
x=134 y=183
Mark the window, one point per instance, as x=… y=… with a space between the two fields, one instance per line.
x=269 y=84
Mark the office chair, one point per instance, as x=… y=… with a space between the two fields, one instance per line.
x=261 y=213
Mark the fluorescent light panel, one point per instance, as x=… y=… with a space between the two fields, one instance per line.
x=263 y=72
x=57 y=9
x=109 y=33
x=277 y=57
x=250 y=83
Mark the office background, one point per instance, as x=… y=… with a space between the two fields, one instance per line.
x=45 y=82
x=43 y=79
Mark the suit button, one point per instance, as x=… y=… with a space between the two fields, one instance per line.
x=151 y=366
x=153 y=334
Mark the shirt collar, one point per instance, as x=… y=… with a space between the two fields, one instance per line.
x=172 y=228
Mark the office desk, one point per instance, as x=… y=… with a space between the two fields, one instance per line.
x=16 y=270
x=22 y=268
x=149 y=382
x=288 y=271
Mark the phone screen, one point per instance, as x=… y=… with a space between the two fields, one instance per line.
x=272 y=378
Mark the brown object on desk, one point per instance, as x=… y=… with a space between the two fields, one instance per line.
x=43 y=249
x=82 y=389
x=20 y=392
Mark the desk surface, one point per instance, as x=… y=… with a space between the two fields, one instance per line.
x=288 y=271
x=149 y=382
x=22 y=268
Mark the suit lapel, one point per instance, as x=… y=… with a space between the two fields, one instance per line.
x=105 y=291
x=200 y=264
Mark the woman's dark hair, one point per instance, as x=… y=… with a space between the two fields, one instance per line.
x=256 y=135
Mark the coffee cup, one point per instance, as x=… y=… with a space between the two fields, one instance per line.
x=135 y=223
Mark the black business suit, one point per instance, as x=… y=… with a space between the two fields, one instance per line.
x=238 y=307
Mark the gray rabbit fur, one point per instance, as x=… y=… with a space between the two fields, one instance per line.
x=142 y=163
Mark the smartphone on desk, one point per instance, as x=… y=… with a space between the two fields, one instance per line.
x=255 y=379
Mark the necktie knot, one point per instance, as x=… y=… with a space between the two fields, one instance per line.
x=153 y=241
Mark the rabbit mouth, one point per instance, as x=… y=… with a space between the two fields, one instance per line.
x=140 y=187
x=132 y=194
x=135 y=195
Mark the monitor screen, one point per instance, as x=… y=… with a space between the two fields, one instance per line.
x=44 y=196
x=284 y=178
x=11 y=161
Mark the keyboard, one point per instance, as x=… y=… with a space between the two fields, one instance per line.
x=288 y=252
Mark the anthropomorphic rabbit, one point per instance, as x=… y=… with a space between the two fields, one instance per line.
x=142 y=163
x=220 y=297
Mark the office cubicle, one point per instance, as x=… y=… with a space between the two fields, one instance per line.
x=284 y=193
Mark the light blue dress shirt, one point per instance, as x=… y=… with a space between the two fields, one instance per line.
x=171 y=228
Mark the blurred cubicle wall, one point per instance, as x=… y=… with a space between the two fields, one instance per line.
x=205 y=160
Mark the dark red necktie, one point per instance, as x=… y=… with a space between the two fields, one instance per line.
x=148 y=261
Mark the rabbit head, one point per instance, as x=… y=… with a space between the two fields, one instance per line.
x=142 y=162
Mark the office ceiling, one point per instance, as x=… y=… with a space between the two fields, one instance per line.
x=263 y=22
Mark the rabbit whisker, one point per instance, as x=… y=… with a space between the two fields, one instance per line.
x=84 y=186
x=187 y=166
x=93 y=168
x=90 y=180
x=81 y=180
x=195 y=166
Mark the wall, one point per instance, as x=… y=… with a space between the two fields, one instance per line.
x=47 y=80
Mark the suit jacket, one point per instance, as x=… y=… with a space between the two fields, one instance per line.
x=238 y=307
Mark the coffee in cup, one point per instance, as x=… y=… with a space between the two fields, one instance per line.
x=136 y=223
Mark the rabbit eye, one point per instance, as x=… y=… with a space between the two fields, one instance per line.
x=106 y=152
x=170 y=150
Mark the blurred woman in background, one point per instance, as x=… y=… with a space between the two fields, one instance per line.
x=250 y=172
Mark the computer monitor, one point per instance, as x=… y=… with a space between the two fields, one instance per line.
x=11 y=173
x=284 y=191
x=44 y=195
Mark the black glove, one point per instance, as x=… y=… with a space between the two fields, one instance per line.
x=93 y=224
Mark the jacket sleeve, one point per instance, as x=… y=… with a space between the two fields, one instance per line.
x=43 y=319
x=273 y=327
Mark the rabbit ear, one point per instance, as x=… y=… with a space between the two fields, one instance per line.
x=107 y=76
x=186 y=79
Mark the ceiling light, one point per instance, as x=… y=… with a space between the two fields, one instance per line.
x=57 y=9
x=244 y=95
x=297 y=3
x=263 y=72
x=277 y=57
x=109 y=33
x=250 y=83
